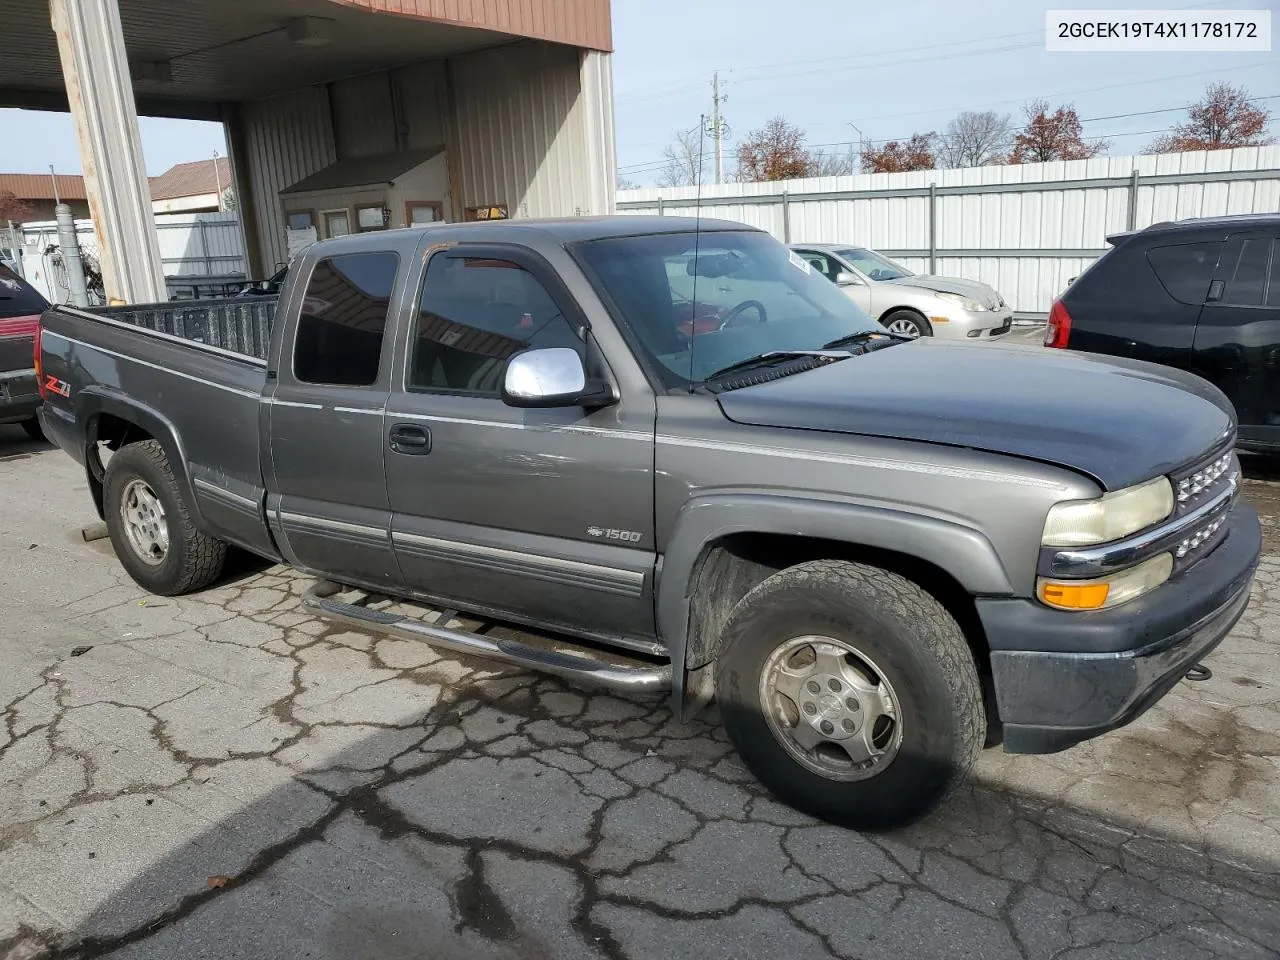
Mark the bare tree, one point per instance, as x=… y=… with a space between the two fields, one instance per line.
x=834 y=164
x=13 y=207
x=626 y=183
x=774 y=152
x=976 y=139
x=1223 y=117
x=1052 y=136
x=916 y=153
x=683 y=156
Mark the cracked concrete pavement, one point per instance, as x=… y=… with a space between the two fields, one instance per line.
x=222 y=776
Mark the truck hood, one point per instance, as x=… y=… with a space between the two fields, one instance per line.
x=1119 y=421
x=973 y=289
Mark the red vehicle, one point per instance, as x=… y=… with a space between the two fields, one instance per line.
x=20 y=309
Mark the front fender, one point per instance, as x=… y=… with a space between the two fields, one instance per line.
x=97 y=399
x=963 y=552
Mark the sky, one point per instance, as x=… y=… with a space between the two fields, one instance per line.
x=890 y=69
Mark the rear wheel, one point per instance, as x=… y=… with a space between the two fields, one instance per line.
x=150 y=526
x=907 y=323
x=33 y=428
x=850 y=692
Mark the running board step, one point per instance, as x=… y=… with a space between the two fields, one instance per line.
x=321 y=601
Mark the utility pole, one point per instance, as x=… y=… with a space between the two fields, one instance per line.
x=719 y=129
x=862 y=149
x=217 y=178
x=77 y=290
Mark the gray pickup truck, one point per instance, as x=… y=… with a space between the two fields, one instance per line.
x=679 y=459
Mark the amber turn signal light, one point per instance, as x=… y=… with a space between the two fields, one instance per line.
x=1074 y=596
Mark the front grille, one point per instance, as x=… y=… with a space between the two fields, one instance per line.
x=1203 y=481
x=1195 y=486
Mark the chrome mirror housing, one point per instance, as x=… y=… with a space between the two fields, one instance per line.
x=551 y=377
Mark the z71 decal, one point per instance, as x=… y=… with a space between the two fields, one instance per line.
x=53 y=385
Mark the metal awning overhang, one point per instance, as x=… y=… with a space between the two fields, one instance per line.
x=351 y=173
x=189 y=56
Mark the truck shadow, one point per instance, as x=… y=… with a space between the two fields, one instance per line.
x=241 y=566
x=14 y=442
x=520 y=818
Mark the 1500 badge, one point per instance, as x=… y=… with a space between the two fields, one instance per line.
x=603 y=533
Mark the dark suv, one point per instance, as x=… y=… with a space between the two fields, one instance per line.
x=1201 y=295
x=20 y=309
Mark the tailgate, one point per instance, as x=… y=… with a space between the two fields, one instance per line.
x=17 y=335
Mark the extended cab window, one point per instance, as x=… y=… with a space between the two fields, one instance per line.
x=1185 y=269
x=344 y=315
x=475 y=313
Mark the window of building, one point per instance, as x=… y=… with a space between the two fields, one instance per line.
x=474 y=315
x=344 y=316
x=493 y=211
x=371 y=217
x=337 y=223
x=420 y=213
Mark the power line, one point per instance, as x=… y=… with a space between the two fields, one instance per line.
x=1069 y=93
x=635 y=168
x=1145 y=113
x=655 y=93
x=672 y=86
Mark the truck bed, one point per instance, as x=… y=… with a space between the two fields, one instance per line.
x=239 y=324
x=203 y=403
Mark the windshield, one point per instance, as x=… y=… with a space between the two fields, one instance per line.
x=873 y=264
x=753 y=296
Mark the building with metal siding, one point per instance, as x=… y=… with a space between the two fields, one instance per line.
x=519 y=93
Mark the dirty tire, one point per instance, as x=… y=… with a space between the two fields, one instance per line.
x=908 y=318
x=921 y=652
x=193 y=559
x=33 y=428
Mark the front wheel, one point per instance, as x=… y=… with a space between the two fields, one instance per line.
x=850 y=693
x=150 y=526
x=907 y=323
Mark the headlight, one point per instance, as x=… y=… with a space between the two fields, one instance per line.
x=1108 y=591
x=1079 y=523
x=973 y=306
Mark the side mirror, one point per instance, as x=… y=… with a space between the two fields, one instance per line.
x=844 y=279
x=552 y=377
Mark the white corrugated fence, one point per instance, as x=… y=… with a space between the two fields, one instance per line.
x=1025 y=229
x=196 y=248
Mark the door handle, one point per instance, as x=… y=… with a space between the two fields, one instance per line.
x=410 y=439
x=1215 y=292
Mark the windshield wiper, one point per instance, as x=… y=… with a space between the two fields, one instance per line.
x=775 y=356
x=862 y=336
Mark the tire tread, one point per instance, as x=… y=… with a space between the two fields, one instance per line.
x=905 y=601
x=203 y=556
